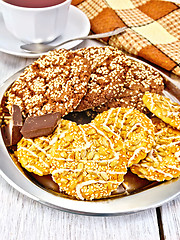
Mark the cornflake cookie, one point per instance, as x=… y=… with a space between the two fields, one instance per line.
x=134 y=127
x=56 y=82
x=88 y=162
x=163 y=161
x=163 y=108
x=33 y=154
x=139 y=79
x=108 y=70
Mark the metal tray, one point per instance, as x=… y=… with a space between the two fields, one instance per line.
x=146 y=199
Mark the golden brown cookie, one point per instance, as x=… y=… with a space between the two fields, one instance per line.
x=88 y=162
x=163 y=108
x=33 y=154
x=134 y=100
x=56 y=82
x=163 y=161
x=108 y=70
x=135 y=128
x=139 y=79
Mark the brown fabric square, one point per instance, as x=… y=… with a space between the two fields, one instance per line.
x=76 y=2
x=157 y=9
x=152 y=54
x=106 y=21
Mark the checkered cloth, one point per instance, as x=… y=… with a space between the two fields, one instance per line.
x=153 y=27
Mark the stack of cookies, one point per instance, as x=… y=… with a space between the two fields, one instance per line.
x=89 y=161
x=163 y=161
x=95 y=78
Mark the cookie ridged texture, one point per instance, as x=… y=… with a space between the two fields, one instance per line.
x=163 y=108
x=134 y=127
x=140 y=78
x=88 y=162
x=143 y=78
x=134 y=102
x=56 y=82
x=108 y=70
x=163 y=161
x=33 y=154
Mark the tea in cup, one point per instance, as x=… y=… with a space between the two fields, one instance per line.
x=35 y=21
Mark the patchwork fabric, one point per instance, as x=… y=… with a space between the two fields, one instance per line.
x=153 y=27
x=130 y=41
x=133 y=17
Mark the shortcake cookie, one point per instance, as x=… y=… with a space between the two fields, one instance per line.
x=134 y=127
x=88 y=162
x=56 y=82
x=163 y=108
x=163 y=161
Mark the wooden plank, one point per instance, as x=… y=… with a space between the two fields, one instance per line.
x=170 y=213
x=23 y=218
x=10 y=64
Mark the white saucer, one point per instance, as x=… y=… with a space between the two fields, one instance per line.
x=78 y=25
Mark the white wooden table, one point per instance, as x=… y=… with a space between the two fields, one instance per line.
x=24 y=219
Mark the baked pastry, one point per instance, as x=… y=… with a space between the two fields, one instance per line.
x=163 y=161
x=33 y=154
x=134 y=127
x=108 y=70
x=88 y=162
x=56 y=82
x=134 y=101
x=139 y=79
x=163 y=108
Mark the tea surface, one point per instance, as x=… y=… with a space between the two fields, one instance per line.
x=34 y=3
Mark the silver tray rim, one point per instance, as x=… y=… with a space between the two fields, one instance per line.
x=147 y=199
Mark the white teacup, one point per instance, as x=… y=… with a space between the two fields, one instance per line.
x=35 y=25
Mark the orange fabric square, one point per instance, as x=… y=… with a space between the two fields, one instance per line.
x=106 y=21
x=157 y=9
x=76 y=2
x=155 y=56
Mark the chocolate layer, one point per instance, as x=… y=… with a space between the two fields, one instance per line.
x=40 y=125
x=11 y=132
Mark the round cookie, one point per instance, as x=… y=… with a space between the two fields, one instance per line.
x=88 y=162
x=108 y=70
x=163 y=161
x=134 y=127
x=163 y=108
x=33 y=154
x=56 y=82
x=139 y=79
x=143 y=78
x=132 y=101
